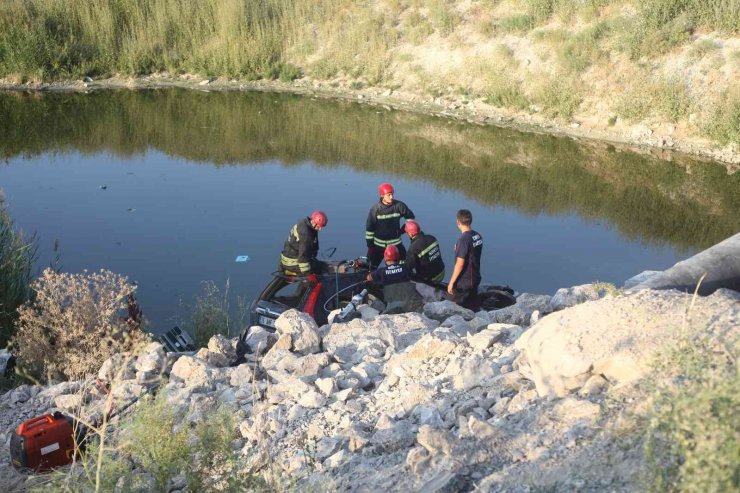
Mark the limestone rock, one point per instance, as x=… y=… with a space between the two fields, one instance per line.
x=285 y=342
x=474 y=371
x=69 y=402
x=220 y=345
x=594 y=385
x=327 y=386
x=302 y=328
x=152 y=359
x=567 y=297
x=242 y=375
x=617 y=337
x=434 y=440
x=259 y=340
x=120 y=366
x=442 y=310
x=521 y=312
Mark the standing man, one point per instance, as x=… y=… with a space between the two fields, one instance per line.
x=466 y=278
x=302 y=246
x=399 y=293
x=424 y=258
x=383 y=227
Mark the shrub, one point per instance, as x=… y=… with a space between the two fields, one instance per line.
x=723 y=122
x=211 y=313
x=441 y=17
x=289 y=72
x=75 y=322
x=516 y=23
x=673 y=100
x=17 y=255
x=558 y=97
x=702 y=48
x=582 y=50
x=502 y=91
x=693 y=435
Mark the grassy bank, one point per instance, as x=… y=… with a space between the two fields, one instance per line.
x=616 y=62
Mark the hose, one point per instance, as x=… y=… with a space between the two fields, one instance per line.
x=342 y=291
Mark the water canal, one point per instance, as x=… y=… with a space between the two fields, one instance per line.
x=168 y=186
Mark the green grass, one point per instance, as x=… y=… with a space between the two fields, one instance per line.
x=723 y=120
x=582 y=50
x=17 y=255
x=558 y=96
x=693 y=436
x=669 y=99
x=504 y=92
x=518 y=23
x=703 y=48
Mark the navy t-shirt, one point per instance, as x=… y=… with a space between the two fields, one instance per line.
x=469 y=248
x=391 y=274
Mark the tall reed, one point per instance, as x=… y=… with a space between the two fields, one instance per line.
x=17 y=254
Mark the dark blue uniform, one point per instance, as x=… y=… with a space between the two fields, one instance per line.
x=383 y=228
x=469 y=247
x=397 y=288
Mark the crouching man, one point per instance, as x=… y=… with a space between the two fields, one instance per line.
x=398 y=290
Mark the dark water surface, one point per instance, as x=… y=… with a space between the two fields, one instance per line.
x=194 y=179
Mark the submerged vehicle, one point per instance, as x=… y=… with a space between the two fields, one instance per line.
x=319 y=294
x=314 y=294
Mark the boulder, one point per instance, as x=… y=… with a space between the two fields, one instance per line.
x=442 y=310
x=566 y=297
x=242 y=376
x=434 y=440
x=152 y=358
x=259 y=340
x=193 y=372
x=617 y=337
x=302 y=328
x=223 y=348
x=521 y=312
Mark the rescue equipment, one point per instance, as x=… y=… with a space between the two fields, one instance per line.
x=45 y=442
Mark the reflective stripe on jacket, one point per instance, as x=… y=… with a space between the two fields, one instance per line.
x=301 y=246
x=383 y=226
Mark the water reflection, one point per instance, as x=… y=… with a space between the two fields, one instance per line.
x=685 y=204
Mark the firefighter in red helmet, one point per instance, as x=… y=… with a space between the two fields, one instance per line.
x=383 y=227
x=423 y=258
x=399 y=292
x=302 y=245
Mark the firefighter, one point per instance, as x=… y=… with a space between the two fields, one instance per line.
x=383 y=227
x=423 y=258
x=302 y=245
x=465 y=279
x=399 y=292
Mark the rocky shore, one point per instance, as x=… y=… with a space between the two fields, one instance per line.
x=659 y=141
x=541 y=395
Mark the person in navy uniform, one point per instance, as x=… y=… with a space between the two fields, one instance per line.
x=463 y=285
x=399 y=292
x=302 y=245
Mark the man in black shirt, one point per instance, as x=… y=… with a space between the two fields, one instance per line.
x=302 y=246
x=399 y=292
x=463 y=285
x=424 y=258
x=383 y=226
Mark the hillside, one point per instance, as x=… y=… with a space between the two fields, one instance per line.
x=660 y=72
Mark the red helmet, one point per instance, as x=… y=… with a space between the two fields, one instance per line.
x=385 y=188
x=319 y=218
x=411 y=228
x=391 y=253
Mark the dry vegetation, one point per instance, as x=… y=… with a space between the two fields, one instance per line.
x=74 y=323
x=599 y=62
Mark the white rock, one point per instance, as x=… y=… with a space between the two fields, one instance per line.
x=219 y=344
x=327 y=386
x=521 y=312
x=152 y=359
x=302 y=328
x=567 y=297
x=120 y=366
x=259 y=340
x=312 y=400
x=434 y=440
x=242 y=375
x=442 y=310
x=69 y=402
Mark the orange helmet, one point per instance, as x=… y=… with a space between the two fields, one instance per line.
x=391 y=253
x=319 y=218
x=385 y=188
x=412 y=228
